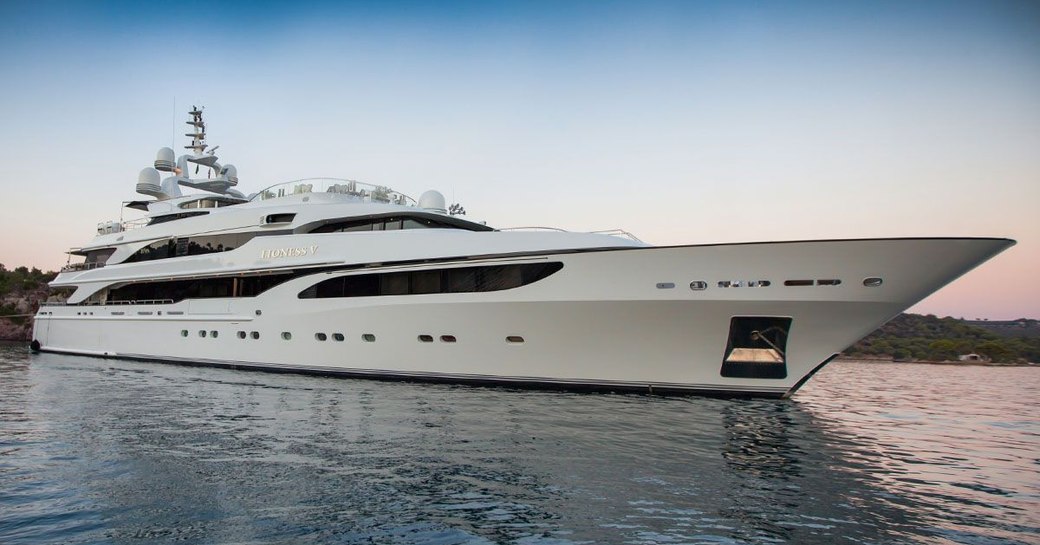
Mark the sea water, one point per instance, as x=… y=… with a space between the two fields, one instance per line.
x=108 y=451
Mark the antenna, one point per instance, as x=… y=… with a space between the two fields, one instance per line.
x=173 y=124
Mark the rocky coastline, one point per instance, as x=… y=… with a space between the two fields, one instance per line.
x=18 y=309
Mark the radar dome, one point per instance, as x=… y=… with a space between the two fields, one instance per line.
x=433 y=201
x=164 y=160
x=148 y=176
x=148 y=183
x=231 y=173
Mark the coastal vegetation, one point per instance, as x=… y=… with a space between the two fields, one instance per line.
x=930 y=338
x=22 y=279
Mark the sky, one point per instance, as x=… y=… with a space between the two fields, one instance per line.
x=681 y=122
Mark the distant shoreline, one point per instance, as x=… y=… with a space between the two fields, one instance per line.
x=930 y=362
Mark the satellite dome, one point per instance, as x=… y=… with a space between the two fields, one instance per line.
x=148 y=176
x=231 y=173
x=164 y=160
x=433 y=201
x=148 y=183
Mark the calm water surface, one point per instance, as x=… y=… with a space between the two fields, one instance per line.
x=104 y=451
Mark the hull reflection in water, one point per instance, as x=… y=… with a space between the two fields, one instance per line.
x=97 y=450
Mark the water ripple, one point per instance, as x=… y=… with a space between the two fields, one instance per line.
x=102 y=451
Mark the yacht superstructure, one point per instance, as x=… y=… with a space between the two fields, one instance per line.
x=339 y=277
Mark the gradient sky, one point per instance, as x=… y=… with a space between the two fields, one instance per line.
x=683 y=122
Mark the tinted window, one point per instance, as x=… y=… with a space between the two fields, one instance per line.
x=387 y=223
x=177 y=290
x=190 y=246
x=457 y=280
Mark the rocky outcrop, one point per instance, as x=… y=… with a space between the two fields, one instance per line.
x=19 y=304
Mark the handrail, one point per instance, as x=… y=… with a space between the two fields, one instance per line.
x=534 y=228
x=82 y=266
x=612 y=232
x=141 y=302
x=98 y=303
x=617 y=233
x=134 y=224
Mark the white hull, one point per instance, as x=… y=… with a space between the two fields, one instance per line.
x=603 y=321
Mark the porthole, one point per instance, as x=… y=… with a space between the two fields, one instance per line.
x=338 y=337
x=798 y=282
x=828 y=282
x=286 y=336
x=184 y=333
x=448 y=338
x=255 y=334
x=241 y=334
x=202 y=333
x=514 y=339
x=213 y=334
x=665 y=285
x=425 y=338
x=872 y=282
x=698 y=285
x=258 y=312
x=368 y=338
x=321 y=337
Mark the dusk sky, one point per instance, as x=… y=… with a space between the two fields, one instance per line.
x=682 y=122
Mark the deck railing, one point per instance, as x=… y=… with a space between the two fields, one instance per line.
x=98 y=303
x=359 y=190
x=82 y=266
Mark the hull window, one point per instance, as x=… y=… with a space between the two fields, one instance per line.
x=201 y=288
x=757 y=347
x=455 y=280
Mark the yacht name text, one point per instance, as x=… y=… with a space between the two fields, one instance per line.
x=300 y=251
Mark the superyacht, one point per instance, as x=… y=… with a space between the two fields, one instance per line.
x=339 y=277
